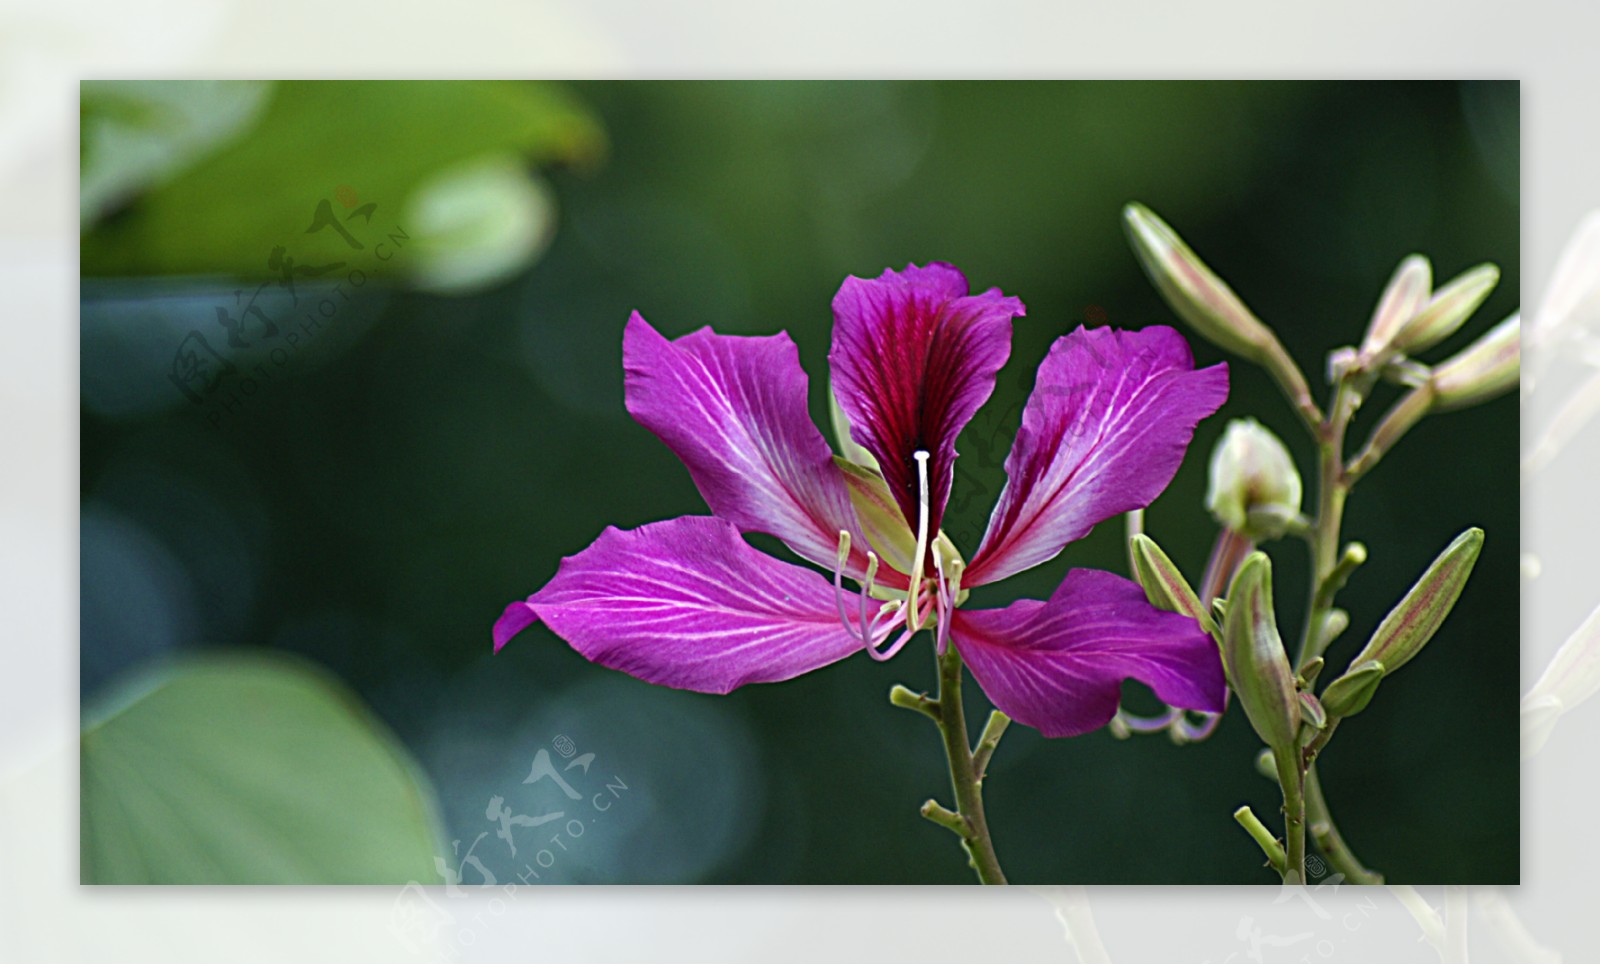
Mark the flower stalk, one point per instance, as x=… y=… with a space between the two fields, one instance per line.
x=967 y=765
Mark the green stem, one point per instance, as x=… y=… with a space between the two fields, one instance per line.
x=964 y=775
x=1332 y=490
x=1269 y=845
x=1291 y=777
x=988 y=741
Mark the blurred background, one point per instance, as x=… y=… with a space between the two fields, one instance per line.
x=351 y=382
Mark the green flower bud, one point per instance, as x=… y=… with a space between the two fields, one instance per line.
x=1254 y=488
x=1252 y=653
x=1405 y=295
x=1447 y=310
x=1482 y=370
x=1335 y=623
x=1308 y=673
x=1164 y=586
x=1266 y=765
x=1199 y=297
x=1311 y=711
x=1351 y=693
x=1416 y=618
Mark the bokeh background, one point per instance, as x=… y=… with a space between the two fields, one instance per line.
x=432 y=451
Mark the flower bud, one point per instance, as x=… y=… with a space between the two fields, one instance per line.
x=1254 y=488
x=1311 y=712
x=1266 y=766
x=1335 y=623
x=1572 y=299
x=1404 y=296
x=1164 y=586
x=1252 y=653
x=1572 y=677
x=1350 y=694
x=1447 y=310
x=1482 y=370
x=1539 y=716
x=1308 y=673
x=1199 y=297
x=1416 y=618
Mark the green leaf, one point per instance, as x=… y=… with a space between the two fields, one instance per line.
x=245 y=769
x=353 y=143
x=138 y=133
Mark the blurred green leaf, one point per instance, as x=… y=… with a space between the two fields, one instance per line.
x=136 y=134
x=249 y=769
x=350 y=143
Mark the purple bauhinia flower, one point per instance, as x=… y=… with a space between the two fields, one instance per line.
x=688 y=603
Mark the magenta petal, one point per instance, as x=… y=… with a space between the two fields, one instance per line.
x=688 y=603
x=518 y=617
x=1058 y=666
x=1103 y=433
x=913 y=358
x=733 y=409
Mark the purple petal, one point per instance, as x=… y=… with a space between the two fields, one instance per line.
x=1058 y=666
x=734 y=410
x=913 y=358
x=517 y=617
x=1103 y=433
x=688 y=603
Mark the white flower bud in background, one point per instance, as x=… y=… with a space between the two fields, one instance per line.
x=1572 y=677
x=1571 y=302
x=1254 y=488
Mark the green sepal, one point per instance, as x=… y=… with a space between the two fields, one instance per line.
x=1350 y=694
x=881 y=520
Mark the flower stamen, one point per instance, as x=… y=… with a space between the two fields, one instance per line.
x=944 y=606
x=838 y=589
x=868 y=628
x=893 y=648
